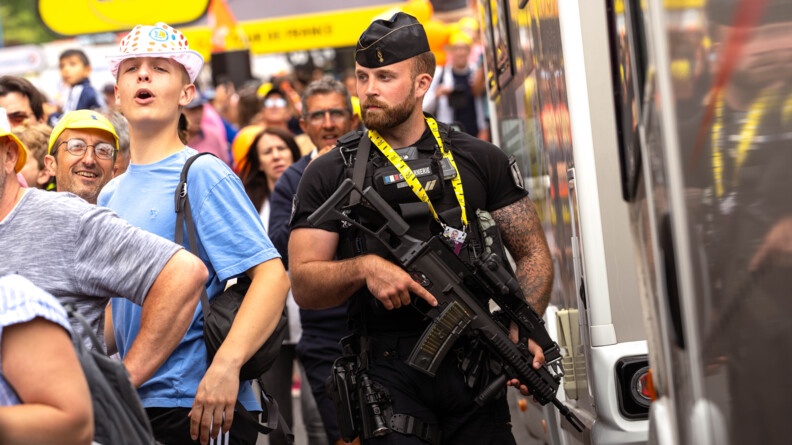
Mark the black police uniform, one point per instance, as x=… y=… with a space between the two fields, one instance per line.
x=422 y=409
x=445 y=401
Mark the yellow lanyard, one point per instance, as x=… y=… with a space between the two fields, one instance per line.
x=409 y=176
x=747 y=135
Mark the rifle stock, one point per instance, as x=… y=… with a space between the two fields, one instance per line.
x=458 y=289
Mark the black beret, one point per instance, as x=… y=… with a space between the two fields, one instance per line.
x=775 y=11
x=386 y=42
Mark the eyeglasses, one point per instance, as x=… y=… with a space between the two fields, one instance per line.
x=276 y=102
x=78 y=147
x=17 y=117
x=337 y=116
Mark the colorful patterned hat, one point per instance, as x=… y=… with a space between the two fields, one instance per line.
x=159 y=40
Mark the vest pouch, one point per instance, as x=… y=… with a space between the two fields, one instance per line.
x=390 y=184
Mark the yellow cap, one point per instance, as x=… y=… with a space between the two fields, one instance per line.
x=263 y=89
x=460 y=38
x=242 y=142
x=81 y=119
x=5 y=130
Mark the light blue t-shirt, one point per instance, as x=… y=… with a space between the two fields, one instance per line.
x=231 y=240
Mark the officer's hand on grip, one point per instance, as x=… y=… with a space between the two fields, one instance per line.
x=536 y=351
x=391 y=285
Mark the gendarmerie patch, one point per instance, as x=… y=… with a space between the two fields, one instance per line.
x=516 y=174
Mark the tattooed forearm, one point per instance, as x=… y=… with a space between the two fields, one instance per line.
x=524 y=237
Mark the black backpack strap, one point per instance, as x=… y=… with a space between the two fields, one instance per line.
x=71 y=311
x=270 y=418
x=184 y=216
x=359 y=170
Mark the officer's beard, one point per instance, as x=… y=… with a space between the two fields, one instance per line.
x=387 y=117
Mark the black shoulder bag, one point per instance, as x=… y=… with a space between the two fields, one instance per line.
x=219 y=315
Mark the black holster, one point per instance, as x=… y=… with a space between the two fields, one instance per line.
x=363 y=407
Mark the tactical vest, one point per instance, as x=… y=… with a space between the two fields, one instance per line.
x=434 y=173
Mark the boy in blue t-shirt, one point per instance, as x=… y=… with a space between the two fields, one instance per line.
x=186 y=400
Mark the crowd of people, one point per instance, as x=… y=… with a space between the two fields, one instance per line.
x=107 y=247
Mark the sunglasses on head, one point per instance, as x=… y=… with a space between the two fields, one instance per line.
x=275 y=102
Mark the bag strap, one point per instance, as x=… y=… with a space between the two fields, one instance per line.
x=359 y=171
x=184 y=216
x=274 y=419
x=71 y=311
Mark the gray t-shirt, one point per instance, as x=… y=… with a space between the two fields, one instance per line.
x=80 y=253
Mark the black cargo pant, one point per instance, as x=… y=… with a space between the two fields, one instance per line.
x=443 y=400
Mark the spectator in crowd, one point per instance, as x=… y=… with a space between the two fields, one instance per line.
x=350 y=82
x=327 y=115
x=248 y=113
x=82 y=153
x=108 y=95
x=35 y=137
x=211 y=118
x=75 y=69
x=93 y=255
x=225 y=101
x=190 y=400
x=22 y=101
x=276 y=112
x=122 y=130
x=269 y=155
x=35 y=347
x=451 y=96
x=202 y=136
x=249 y=102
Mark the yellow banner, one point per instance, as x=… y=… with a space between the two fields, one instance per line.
x=333 y=29
x=73 y=18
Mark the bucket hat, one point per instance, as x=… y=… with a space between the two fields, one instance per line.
x=159 y=40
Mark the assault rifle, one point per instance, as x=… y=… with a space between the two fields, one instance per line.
x=462 y=308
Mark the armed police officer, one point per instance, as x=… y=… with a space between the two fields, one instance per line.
x=454 y=175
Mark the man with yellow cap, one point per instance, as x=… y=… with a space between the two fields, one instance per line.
x=10 y=141
x=84 y=255
x=82 y=152
x=189 y=399
x=333 y=262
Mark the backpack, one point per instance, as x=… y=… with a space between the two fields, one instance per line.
x=119 y=418
x=219 y=313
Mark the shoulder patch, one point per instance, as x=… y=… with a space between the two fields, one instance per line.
x=516 y=174
x=295 y=203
